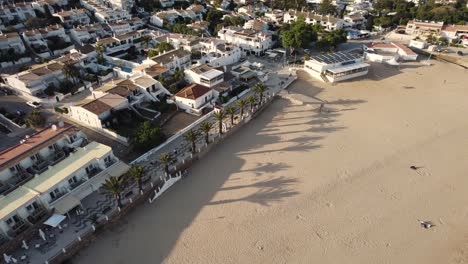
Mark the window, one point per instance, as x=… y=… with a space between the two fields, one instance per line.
x=9 y=221
x=107 y=159
x=53 y=194
x=72 y=180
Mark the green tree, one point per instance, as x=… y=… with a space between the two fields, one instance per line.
x=241 y=104
x=115 y=186
x=100 y=49
x=298 y=34
x=205 y=128
x=251 y=100
x=326 y=7
x=35 y=119
x=136 y=172
x=232 y=5
x=231 y=112
x=370 y=23
x=146 y=41
x=219 y=116
x=192 y=137
x=259 y=89
x=164 y=46
x=165 y=159
x=71 y=72
x=147 y=136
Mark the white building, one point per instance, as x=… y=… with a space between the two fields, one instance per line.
x=452 y=32
x=384 y=52
x=335 y=67
x=166 y=3
x=35 y=80
x=173 y=16
x=50 y=171
x=121 y=42
x=178 y=59
x=10 y=41
x=73 y=17
x=418 y=27
x=87 y=34
x=204 y=75
x=194 y=98
x=275 y=16
x=104 y=14
x=326 y=21
x=18 y=11
x=216 y=52
x=250 y=41
x=120 y=27
x=354 y=21
x=121 y=4
x=92 y=112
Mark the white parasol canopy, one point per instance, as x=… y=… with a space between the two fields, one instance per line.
x=6 y=258
x=25 y=246
x=42 y=234
x=55 y=220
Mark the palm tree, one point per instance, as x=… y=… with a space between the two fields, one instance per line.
x=100 y=49
x=115 y=186
x=146 y=41
x=192 y=137
x=71 y=72
x=259 y=89
x=230 y=111
x=179 y=74
x=165 y=159
x=205 y=128
x=137 y=173
x=219 y=116
x=251 y=100
x=242 y=104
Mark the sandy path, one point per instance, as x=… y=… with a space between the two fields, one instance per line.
x=296 y=186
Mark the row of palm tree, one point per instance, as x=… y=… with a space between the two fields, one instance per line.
x=115 y=186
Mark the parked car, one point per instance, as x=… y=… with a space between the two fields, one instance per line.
x=34 y=104
x=460 y=53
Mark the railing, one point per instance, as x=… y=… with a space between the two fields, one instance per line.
x=57 y=196
x=76 y=184
x=93 y=172
x=37 y=215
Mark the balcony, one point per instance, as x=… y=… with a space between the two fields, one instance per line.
x=110 y=163
x=17 y=228
x=76 y=184
x=93 y=172
x=37 y=215
x=14 y=182
x=57 y=196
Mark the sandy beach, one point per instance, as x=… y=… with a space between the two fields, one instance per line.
x=299 y=186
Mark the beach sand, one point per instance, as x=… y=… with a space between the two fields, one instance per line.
x=298 y=186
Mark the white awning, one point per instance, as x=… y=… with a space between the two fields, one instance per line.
x=66 y=203
x=349 y=67
x=55 y=220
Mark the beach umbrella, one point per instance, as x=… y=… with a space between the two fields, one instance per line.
x=42 y=235
x=25 y=246
x=6 y=258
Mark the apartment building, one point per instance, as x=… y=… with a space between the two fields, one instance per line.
x=120 y=27
x=104 y=14
x=419 y=27
x=36 y=79
x=73 y=17
x=249 y=41
x=87 y=34
x=178 y=59
x=15 y=13
x=50 y=170
x=326 y=21
x=216 y=52
x=121 y=4
x=173 y=16
x=121 y=42
x=10 y=41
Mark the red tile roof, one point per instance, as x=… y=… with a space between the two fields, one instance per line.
x=193 y=91
x=34 y=143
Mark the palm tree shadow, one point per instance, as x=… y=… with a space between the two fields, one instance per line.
x=268 y=167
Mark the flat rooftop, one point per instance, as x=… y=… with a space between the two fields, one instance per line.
x=336 y=57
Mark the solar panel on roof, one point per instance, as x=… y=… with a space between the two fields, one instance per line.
x=337 y=57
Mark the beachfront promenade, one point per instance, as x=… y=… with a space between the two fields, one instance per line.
x=101 y=210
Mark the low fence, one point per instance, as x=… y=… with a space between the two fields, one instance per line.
x=171 y=139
